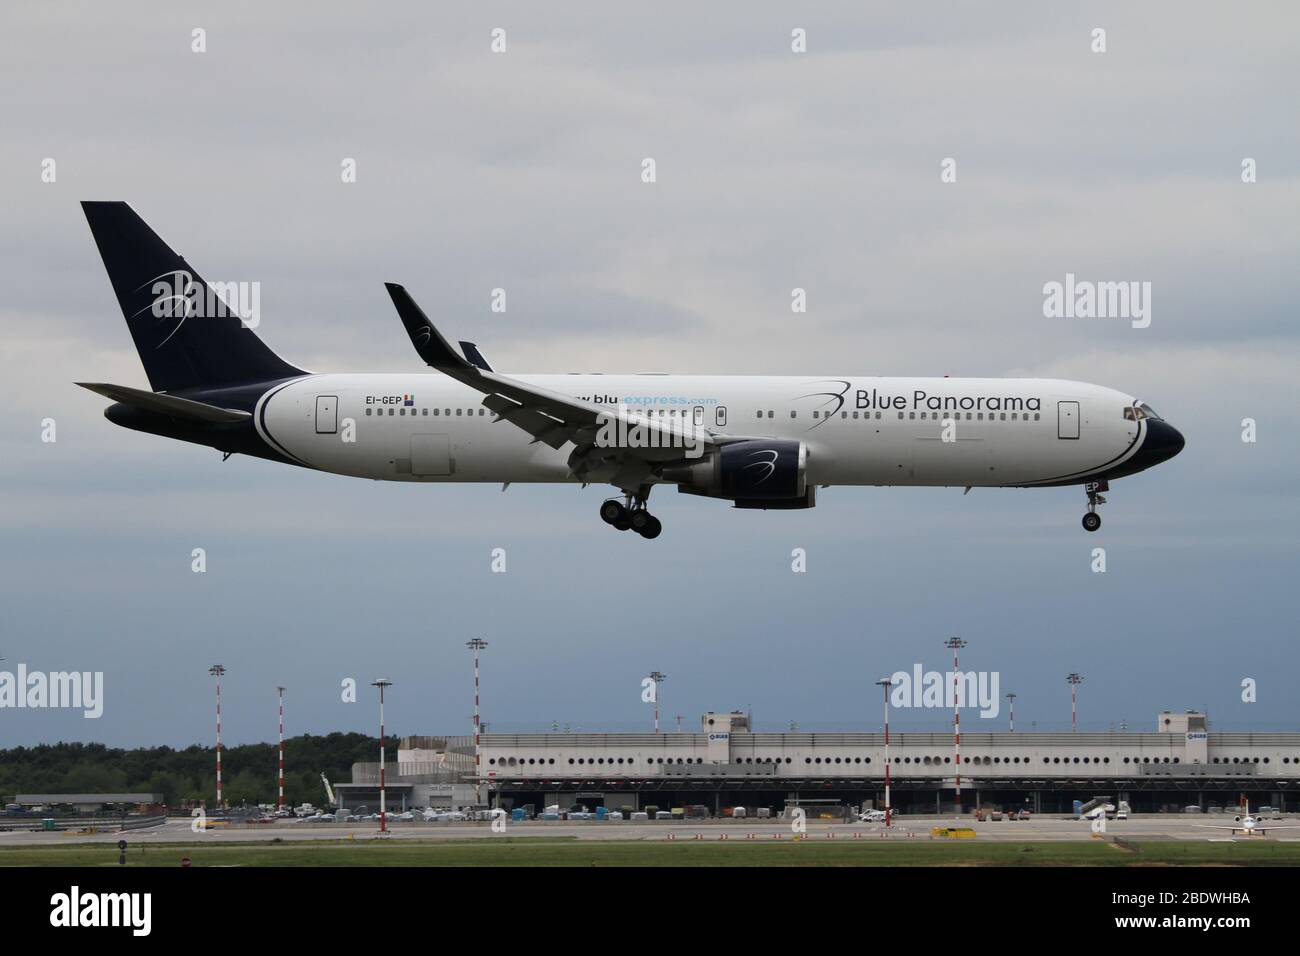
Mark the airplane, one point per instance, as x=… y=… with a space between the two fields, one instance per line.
x=1247 y=824
x=760 y=442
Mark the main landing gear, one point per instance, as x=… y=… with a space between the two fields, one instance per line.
x=631 y=515
x=1092 y=520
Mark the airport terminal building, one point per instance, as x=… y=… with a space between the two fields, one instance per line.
x=725 y=764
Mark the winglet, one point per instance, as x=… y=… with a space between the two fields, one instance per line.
x=428 y=341
x=474 y=356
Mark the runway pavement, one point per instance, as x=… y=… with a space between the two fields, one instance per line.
x=1042 y=828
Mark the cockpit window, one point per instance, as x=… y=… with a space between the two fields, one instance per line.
x=1138 y=411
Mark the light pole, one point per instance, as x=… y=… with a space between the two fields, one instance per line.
x=658 y=678
x=280 y=802
x=216 y=670
x=1074 y=680
x=886 y=683
x=1012 y=711
x=383 y=802
x=956 y=643
x=476 y=645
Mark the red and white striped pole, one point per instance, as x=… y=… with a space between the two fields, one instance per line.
x=279 y=805
x=886 y=683
x=216 y=670
x=1074 y=681
x=956 y=643
x=476 y=645
x=383 y=793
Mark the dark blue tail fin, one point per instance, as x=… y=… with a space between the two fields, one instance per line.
x=187 y=334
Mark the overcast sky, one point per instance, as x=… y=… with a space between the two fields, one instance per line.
x=775 y=170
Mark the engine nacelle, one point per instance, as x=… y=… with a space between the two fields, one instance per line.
x=755 y=474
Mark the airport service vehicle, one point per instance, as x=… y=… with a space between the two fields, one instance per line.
x=871 y=816
x=443 y=816
x=1246 y=823
x=759 y=442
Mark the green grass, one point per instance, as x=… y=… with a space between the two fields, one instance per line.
x=568 y=852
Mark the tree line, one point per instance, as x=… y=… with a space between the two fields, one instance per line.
x=248 y=771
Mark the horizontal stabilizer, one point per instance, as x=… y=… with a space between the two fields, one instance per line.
x=169 y=405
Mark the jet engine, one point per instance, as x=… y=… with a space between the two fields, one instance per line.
x=758 y=473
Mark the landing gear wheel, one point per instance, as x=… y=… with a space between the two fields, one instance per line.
x=611 y=512
x=651 y=528
x=640 y=519
x=622 y=524
x=1094 y=489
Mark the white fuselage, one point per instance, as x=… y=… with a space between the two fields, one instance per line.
x=858 y=430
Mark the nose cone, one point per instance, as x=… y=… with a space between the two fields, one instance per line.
x=1162 y=442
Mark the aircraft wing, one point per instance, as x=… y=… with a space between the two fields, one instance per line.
x=556 y=419
x=1257 y=826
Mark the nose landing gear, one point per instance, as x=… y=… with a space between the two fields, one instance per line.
x=1092 y=520
x=631 y=515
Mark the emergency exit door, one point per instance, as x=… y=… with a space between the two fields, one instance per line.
x=327 y=414
x=1067 y=419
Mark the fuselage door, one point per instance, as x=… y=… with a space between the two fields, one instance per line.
x=327 y=414
x=431 y=455
x=1067 y=419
